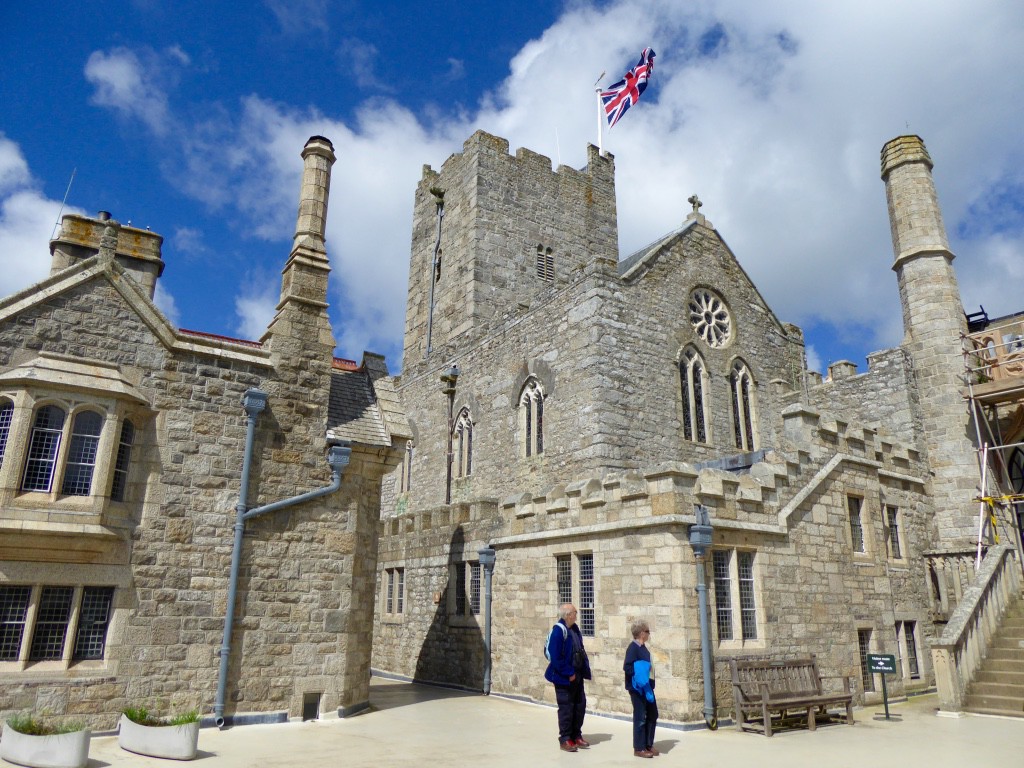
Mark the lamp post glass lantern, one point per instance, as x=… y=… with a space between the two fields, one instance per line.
x=448 y=381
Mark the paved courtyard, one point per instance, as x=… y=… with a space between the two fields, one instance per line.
x=419 y=725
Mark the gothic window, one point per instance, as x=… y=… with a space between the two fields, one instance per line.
x=693 y=379
x=123 y=461
x=710 y=317
x=462 y=442
x=743 y=406
x=545 y=264
x=531 y=417
x=405 y=478
x=6 y=414
x=42 y=448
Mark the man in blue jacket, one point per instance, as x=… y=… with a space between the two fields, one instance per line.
x=567 y=669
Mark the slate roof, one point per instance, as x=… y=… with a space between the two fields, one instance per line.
x=363 y=405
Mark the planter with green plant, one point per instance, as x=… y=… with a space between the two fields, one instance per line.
x=42 y=742
x=176 y=737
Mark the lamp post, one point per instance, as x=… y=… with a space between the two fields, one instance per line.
x=448 y=381
x=700 y=540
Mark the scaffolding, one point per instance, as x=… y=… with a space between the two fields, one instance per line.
x=994 y=388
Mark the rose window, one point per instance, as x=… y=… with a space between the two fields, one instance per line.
x=710 y=318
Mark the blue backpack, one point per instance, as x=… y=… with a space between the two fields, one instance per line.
x=547 y=643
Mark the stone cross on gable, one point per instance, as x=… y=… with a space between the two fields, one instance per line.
x=695 y=202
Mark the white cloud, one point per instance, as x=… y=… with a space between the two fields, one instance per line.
x=134 y=83
x=27 y=221
x=299 y=17
x=256 y=307
x=165 y=303
x=773 y=113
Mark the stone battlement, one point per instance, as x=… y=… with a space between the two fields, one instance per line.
x=762 y=498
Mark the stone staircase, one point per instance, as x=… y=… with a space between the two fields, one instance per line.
x=999 y=686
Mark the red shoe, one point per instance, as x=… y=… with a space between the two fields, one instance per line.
x=582 y=743
x=642 y=753
x=568 y=746
x=653 y=751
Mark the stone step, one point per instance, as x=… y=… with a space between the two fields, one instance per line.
x=1003 y=649
x=1004 y=704
x=995 y=664
x=993 y=711
x=1007 y=677
x=1003 y=689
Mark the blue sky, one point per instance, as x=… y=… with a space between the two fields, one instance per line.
x=189 y=118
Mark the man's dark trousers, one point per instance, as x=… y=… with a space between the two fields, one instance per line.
x=572 y=706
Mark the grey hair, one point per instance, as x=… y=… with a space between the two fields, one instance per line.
x=564 y=609
x=638 y=626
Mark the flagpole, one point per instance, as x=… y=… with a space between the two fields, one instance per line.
x=600 y=126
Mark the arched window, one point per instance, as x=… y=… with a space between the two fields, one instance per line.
x=124 y=458
x=693 y=379
x=462 y=442
x=81 y=461
x=743 y=406
x=6 y=414
x=531 y=417
x=405 y=479
x=42 y=449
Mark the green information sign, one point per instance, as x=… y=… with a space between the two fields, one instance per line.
x=881 y=663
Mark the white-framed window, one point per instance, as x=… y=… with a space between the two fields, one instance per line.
x=405 y=471
x=744 y=407
x=531 y=418
x=6 y=416
x=864 y=648
x=693 y=380
x=462 y=444
x=575 y=583
x=394 y=591
x=41 y=623
x=119 y=483
x=736 y=595
x=907 y=650
x=467 y=585
x=855 y=511
x=894 y=531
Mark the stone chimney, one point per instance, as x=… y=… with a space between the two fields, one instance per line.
x=81 y=238
x=933 y=320
x=302 y=309
x=305 y=274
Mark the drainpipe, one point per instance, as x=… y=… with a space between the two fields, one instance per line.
x=700 y=540
x=487 y=557
x=254 y=401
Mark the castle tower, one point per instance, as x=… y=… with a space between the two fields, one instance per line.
x=933 y=321
x=494 y=232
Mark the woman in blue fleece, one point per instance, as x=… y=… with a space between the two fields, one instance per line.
x=640 y=684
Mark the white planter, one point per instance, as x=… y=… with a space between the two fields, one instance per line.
x=63 y=750
x=177 y=742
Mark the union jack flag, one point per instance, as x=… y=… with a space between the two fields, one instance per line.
x=625 y=93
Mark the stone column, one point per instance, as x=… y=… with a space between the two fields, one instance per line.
x=933 y=321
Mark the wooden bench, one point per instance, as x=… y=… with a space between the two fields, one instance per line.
x=764 y=686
